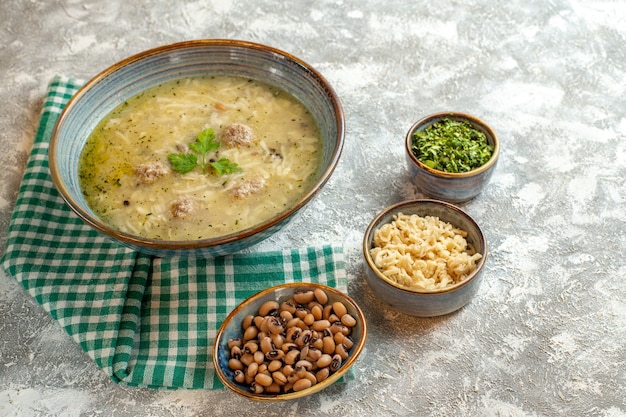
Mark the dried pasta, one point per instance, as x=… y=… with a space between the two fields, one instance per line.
x=423 y=253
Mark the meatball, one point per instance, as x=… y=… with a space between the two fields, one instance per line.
x=246 y=188
x=182 y=208
x=149 y=172
x=237 y=134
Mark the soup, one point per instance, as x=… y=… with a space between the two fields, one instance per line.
x=199 y=158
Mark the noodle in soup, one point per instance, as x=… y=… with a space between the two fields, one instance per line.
x=129 y=181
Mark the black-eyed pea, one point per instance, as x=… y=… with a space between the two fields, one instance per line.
x=317 y=312
x=235 y=364
x=304 y=352
x=247 y=359
x=258 y=320
x=288 y=346
x=311 y=377
x=339 y=309
x=293 y=322
x=335 y=364
x=314 y=354
x=261 y=335
x=318 y=343
x=278 y=340
x=236 y=352
x=337 y=327
x=264 y=327
x=324 y=360
x=288 y=387
x=305 y=338
x=250 y=333
x=322 y=374
x=247 y=321
x=292 y=357
x=275 y=325
x=288 y=306
x=274 y=388
x=262 y=368
x=248 y=379
x=320 y=325
x=293 y=377
x=339 y=337
x=266 y=345
x=235 y=342
x=264 y=380
x=347 y=342
x=342 y=351
x=274 y=365
x=293 y=334
x=256 y=388
x=285 y=315
x=329 y=344
x=239 y=376
x=328 y=311
x=301 y=312
x=320 y=296
x=259 y=357
x=275 y=354
x=333 y=318
x=300 y=373
x=302 y=384
x=279 y=378
x=303 y=295
x=269 y=308
x=309 y=319
x=253 y=369
x=348 y=320
x=303 y=363
x=288 y=370
x=302 y=325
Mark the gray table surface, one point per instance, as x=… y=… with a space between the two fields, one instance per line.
x=546 y=336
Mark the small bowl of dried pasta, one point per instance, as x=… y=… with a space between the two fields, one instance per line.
x=424 y=257
x=289 y=341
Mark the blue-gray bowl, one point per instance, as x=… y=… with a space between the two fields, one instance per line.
x=425 y=303
x=137 y=73
x=452 y=187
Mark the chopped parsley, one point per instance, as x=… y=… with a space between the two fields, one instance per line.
x=451 y=146
x=204 y=144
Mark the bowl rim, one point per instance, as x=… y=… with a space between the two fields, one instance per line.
x=356 y=350
x=396 y=208
x=475 y=121
x=133 y=240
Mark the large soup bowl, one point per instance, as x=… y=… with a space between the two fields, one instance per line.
x=126 y=79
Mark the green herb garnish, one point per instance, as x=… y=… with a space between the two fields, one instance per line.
x=451 y=146
x=204 y=144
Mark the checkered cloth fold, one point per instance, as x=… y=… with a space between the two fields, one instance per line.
x=146 y=321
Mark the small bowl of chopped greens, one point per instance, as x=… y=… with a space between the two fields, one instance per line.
x=451 y=156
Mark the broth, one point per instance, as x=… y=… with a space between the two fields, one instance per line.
x=130 y=183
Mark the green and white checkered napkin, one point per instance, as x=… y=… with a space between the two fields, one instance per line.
x=145 y=321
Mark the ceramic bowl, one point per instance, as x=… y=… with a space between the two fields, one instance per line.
x=232 y=328
x=133 y=75
x=424 y=303
x=451 y=187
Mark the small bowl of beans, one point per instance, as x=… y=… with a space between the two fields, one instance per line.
x=289 y=341
x=451 y=156
x=424 y=257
